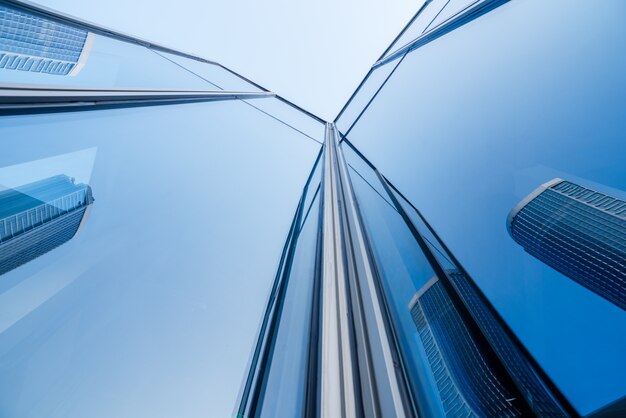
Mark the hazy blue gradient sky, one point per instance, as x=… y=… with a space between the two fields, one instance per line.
x=314 y=53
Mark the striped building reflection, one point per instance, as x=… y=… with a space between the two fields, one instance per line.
x=38 y=217
x=577 y=231
x=32 y=43
x=468 y=380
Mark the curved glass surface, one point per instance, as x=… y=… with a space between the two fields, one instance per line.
x=473 y=122
x=144 y=308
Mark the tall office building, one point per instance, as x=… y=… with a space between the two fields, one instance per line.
x=32 y=43
x=577 y=231
x=385 y=301
x=40 y=216
x=469 y=383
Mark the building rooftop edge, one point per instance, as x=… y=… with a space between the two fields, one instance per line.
x=532 y=195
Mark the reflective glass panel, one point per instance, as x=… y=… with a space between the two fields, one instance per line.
x=300 y=121
x=364 y=95
x=35 y=50
x=472 y=123
x=284 y=389
x=452 y=8
x=144 y=308
x=421 y=23
x=404 y=270
x=214 y=74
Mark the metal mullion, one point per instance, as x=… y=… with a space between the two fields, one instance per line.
x=37 y=99
x=339 y=394
x=366 y=288
x=350 y=360
x=446 y=27
x=313 y=379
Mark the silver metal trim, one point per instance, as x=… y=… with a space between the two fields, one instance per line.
x=359 y=376
x=337 y=395
x=366 y=280
x=25 y=97
x=453 y=22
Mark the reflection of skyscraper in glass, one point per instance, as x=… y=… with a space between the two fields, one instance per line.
x=31 y=43
x=525 y=376
x=577 y=231
x=469 y=382
x=39 y=217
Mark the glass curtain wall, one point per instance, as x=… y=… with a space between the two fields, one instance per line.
x=502 y=123
x=457 y=248
x=138 y=240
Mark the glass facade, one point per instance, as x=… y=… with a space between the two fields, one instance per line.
x=407 y=286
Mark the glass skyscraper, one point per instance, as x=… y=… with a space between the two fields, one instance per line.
x=579 y=232
x=248 y=258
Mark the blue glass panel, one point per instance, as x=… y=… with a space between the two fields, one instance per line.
x=421 y=23
x=473 y=122
x=313 y=188
x=364 y=95
x=452 y=8
x=308 y=126
x=404 y=270
x=149 y=309
x=214 y=74
x=35 y=50
x=284 y=389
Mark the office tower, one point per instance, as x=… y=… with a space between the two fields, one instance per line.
x=32 y=43
x=579 y=232
x=182 y=296
x=468 y=382
x=40 y=216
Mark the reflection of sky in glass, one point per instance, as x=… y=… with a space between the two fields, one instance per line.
x=116 y=64
x=472 y=122
x=77 y=165
x=152 y=309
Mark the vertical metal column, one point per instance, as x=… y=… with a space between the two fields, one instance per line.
x=338 y=376
x=360 y=369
